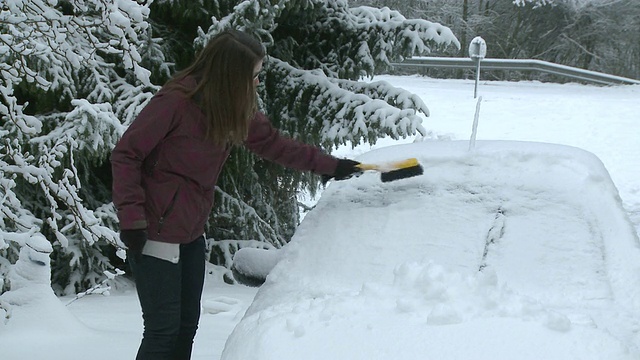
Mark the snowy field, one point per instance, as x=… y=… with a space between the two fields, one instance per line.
x=602 y=120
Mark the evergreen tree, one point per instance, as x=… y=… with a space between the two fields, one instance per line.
x=317 y=50
x=76 y=73
x=71 y=76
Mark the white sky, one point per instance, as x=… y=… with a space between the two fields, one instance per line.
x=558 y=292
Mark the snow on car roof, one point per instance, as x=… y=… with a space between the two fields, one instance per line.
x=506 y=249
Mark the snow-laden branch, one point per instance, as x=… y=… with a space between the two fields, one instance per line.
x=418 y=33
x=349 y=111
x=350 y=43
x=95 y=124
x=257 y=17
x=67 y=213
x=243 y=213
x=42 y=46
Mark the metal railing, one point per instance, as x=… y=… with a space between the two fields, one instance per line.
x=517 y=64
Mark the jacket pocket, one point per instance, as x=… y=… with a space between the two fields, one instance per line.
x=165 y=214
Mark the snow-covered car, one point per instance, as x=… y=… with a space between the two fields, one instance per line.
x=508 y=250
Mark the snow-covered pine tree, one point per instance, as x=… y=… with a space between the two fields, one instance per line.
x=317 y=52
x=71 y=77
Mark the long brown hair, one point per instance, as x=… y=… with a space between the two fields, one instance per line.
x=225 y=89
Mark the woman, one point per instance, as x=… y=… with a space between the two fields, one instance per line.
x=165 y=169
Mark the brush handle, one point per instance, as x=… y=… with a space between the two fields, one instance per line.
x=365 y=167
x=390 y=166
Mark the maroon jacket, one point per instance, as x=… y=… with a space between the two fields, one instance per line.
x=165 y=171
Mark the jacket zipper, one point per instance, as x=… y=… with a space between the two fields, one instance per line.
x=168 y=211
x=155 y=164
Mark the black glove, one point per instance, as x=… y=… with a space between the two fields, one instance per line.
x=346 y=168
x=134 y=239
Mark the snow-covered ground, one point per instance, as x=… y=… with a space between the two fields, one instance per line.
x=602 y=120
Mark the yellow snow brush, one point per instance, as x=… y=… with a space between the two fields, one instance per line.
x=395 y=170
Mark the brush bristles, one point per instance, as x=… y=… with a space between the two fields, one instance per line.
x=402 y=173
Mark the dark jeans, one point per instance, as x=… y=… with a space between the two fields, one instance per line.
x=170 y=299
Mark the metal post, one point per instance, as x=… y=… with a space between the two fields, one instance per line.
x=477 y=52
x=475 y=88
